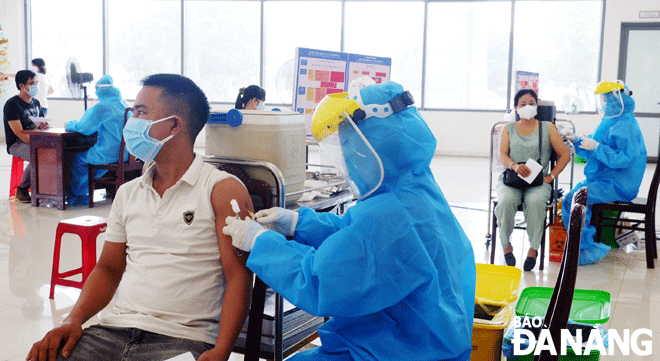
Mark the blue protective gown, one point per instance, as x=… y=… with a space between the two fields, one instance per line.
x=396 y=272
x=614 y=170
x=107 y=119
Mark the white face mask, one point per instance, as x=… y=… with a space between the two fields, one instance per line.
x=527 y=112
x=260 y=105
x=35 y=69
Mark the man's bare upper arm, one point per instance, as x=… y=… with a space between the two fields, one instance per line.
x=223 y=192
x=113 y=257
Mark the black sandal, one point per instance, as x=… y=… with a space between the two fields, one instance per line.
x=510 y=259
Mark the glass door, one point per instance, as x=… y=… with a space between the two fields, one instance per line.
x=639 y=68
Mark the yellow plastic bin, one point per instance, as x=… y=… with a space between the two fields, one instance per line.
x=487 y=335
x=496 y=288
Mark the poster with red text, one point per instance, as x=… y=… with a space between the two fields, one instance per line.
x=527 y=80
x=321 y=72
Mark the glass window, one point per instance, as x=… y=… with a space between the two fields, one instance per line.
x=145 y=39
x=467 y=55
x=222 y=46
x=286 y=27
x=59 y=32
x=389 y=29
x=560 y=40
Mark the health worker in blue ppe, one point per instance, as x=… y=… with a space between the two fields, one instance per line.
x=396 y=272
x=616 y=161
x=106 y=118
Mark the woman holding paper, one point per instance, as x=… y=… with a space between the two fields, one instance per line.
x=519 y=144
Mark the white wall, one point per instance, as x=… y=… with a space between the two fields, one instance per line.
x=458 y=133
x=11 y=20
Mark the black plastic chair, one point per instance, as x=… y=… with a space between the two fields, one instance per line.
x=645 y=206
x=556 y=318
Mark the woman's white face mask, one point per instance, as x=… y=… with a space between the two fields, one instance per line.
x=261 y=105
x=527 y=112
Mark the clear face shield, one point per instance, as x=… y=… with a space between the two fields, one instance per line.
x=334 y=126
x=609 y=101
x=609 y=105
x=348 y=149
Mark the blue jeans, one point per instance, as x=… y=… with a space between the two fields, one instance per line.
x=78 y=187
x=101 y=343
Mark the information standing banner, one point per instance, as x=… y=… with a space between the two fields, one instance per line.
x=320 y=72
x=527 y=80
x=7 y=85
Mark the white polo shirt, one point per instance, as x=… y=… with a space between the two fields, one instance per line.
x=174 y=283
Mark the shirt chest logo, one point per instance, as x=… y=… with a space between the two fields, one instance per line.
x=188 y=217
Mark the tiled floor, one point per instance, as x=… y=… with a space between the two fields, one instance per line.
x=27 y=237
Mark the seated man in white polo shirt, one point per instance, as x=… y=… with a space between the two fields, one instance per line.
x=165 y=256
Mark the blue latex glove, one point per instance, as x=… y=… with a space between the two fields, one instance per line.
x=589 y=144
x=243 y=233
x=278 y=219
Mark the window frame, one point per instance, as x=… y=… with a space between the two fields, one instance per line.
x=262 y=60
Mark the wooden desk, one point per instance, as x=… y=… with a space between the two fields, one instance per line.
x=51 y=155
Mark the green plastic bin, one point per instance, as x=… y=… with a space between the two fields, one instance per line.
x=607 y=233
x=589 y=306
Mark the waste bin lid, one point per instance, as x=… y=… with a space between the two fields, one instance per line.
x=589 y=306
x=497 y=283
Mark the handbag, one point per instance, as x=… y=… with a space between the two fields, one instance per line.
x=511 y=178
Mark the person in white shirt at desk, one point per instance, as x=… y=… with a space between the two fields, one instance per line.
x=45 y=89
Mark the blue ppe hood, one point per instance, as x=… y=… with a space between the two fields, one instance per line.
x=403 y=141
x=107 y=93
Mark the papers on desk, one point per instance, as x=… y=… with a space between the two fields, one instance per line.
x=308 y=196
x=534 y=167
x=188 y=356
x=38 y=120
x=320 y=193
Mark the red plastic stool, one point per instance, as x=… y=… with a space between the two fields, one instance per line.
x=87 y=228
x=16 y=175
